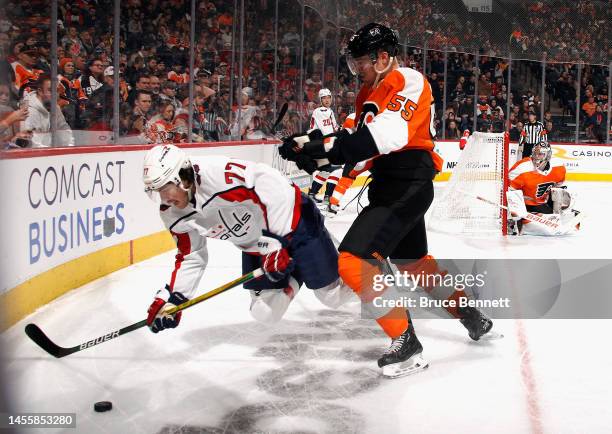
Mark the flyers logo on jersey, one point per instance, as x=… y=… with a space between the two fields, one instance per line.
x=544 y=188
x=369 y=112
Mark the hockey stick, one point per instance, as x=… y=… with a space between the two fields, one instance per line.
x=43 y=341
x=279 y=118
x=529 y=216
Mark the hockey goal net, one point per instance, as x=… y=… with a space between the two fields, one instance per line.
x=290 y=170
x=482 y=171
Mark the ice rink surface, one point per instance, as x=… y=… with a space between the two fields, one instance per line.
x=315 y=371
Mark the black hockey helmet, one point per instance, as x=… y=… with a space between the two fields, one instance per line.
x=371 y=38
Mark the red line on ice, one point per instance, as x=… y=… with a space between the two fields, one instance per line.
x=533 y=407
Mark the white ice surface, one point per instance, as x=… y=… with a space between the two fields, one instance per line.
x=316 y=370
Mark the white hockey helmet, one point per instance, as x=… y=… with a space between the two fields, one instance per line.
x=324 y=92
x=541 y=154
x=162 y=165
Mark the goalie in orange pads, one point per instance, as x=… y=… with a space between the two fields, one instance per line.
x=394 y=134
x=537 y=186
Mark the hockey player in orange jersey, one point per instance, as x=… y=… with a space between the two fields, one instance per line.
x=394 y=135
x=537 y=187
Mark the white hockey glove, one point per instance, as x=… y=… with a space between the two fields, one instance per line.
x=562 y=199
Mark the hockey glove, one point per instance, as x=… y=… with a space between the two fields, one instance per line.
x=277 y=264
x=306 y=163
x=326 y=148
x=157 y=318
x=291 y=150
x=294 y=144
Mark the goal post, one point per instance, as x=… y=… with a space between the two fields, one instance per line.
x=482 y=170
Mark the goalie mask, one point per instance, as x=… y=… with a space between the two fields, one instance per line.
x=163 y=165
x=368 y=41
x=540 y=156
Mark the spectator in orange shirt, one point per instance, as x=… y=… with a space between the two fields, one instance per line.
x=225 y=19
x=25 y=73
x=176 y=73
x=590 y=107
x=69 y=94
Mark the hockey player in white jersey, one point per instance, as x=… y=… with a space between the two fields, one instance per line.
x=323 y=119
x=252 y=206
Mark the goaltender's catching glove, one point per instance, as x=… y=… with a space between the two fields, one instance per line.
x=157 y=318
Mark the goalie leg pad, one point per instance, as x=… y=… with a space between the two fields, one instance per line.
x=516 y=203
x=565 y=223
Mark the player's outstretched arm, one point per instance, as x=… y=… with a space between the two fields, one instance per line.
x=339 y=148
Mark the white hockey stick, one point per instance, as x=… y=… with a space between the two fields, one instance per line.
x=540 y=219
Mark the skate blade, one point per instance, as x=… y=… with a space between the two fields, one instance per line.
x=411 y=366
x=491 y=335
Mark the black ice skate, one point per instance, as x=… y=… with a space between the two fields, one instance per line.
x=323 y=204
x=314 y=198
x=477 y=324
x=403 y=356
x=332 y=209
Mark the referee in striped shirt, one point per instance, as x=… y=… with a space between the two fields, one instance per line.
x=533 y=132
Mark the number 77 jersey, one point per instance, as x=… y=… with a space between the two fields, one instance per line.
x=235 y=200
x=399 y=113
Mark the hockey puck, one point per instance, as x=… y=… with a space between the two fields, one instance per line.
x=103 y=406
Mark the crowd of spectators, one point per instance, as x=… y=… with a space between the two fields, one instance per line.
x=562 y=29
x=154 y=71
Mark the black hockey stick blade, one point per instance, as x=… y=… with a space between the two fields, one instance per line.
x=279 y=118
x=42 y=340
